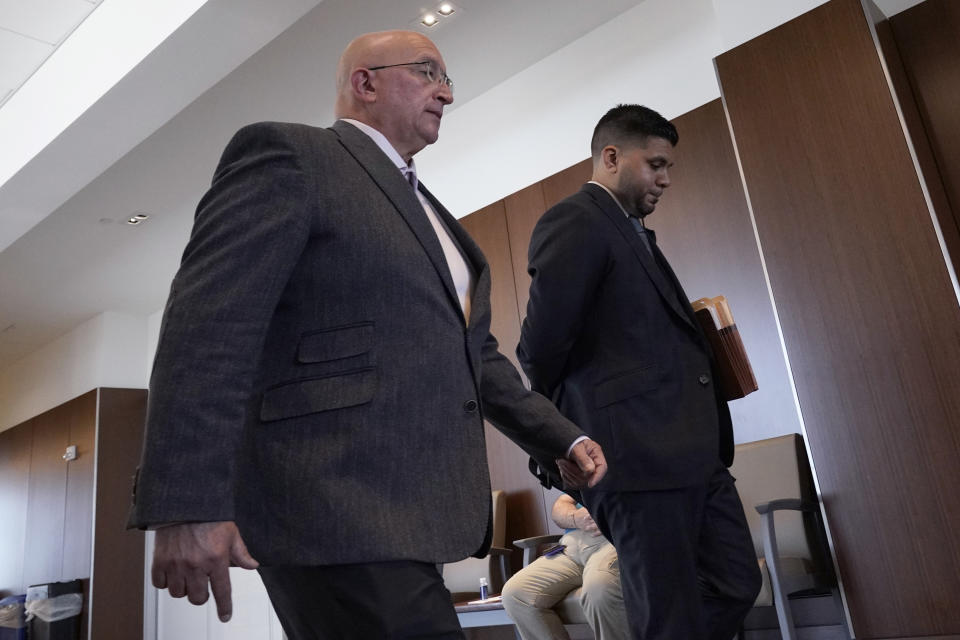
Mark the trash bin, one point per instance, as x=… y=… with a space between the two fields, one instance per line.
x=13 y=626
x=53 y=610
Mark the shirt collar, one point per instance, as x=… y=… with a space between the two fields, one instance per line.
x=381 y=141
x=611 y=195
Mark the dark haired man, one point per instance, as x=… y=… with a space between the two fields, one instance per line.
x=610 y=337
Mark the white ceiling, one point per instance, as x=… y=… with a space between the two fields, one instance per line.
x=151 y=142
x=69 y=254
x=30 y=30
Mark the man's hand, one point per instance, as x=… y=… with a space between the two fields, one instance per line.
x=186 y=556
x=583 y=520
x=585 y=467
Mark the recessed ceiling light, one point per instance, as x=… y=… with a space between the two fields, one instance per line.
x=137 y=218
x=428 y=20
x=445 y=9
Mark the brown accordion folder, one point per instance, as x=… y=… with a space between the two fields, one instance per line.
x=733 y=366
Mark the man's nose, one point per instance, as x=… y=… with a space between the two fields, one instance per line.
x=445 y=95
x=664 y=179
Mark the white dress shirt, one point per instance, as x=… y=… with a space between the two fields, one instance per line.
x=460 y=270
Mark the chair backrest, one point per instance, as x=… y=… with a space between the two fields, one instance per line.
x=773 y=469
x=462 y=578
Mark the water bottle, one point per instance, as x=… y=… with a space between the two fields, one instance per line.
x=484 y=589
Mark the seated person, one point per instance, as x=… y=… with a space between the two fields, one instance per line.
x=588 y=561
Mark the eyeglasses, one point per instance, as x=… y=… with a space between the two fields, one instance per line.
x=429 y=68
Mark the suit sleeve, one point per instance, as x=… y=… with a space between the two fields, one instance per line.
x=249 y=231
x=567 y=264
x=526 y=417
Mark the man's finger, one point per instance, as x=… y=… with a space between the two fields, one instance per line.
x=580 y=457
x=595 y=453
x=158 y=576
x=240 y=557
x=571 y=474
x=176 y=586
x=220 y=585
x=197 y=592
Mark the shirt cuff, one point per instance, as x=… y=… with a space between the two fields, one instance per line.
x=575 y=443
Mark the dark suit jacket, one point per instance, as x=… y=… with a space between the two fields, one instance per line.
x=611 y=338
x=315 y=380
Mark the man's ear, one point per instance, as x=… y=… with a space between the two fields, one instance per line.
x=361 y=81
x=610 y=158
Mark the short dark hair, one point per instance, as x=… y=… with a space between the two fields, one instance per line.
x=630 y=123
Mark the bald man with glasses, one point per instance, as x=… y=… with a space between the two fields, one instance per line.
x=324 y=368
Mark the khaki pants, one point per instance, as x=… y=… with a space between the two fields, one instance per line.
x=589 y=562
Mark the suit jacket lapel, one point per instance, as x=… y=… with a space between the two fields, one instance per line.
x=480 y=303
x=683 y=300
x=389 y=179
x=669 y=291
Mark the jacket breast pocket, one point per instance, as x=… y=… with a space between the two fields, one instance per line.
x=626 y=385
x=313 y=395
x=335 y=343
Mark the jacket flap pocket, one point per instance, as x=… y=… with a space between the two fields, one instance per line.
x=335 y=343
x=625 y=386
x=304 y=397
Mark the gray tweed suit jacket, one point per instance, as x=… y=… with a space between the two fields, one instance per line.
x=315 y=379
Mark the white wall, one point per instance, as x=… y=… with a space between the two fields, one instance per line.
x=660 y=53
x=106 y=351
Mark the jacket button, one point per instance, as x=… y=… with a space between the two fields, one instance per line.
x=704 y=379
x=470 y=406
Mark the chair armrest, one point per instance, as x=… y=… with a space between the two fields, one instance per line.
x=787 y=504
x=502 y=555
x=771 y=554
x=530 y=545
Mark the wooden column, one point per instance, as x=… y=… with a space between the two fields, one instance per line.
x=868 y=311
x=927 y=43
x=117 y=591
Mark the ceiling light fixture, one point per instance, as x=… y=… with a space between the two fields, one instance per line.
x=137 y=218
x=445 y=9
x=428 y=20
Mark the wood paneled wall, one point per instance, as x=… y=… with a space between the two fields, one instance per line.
x=59 y=512
x=64 y=520
x=912 y=118
x=704 y=226
x=868 y=312
x=14 y=481
x=507 y=462
x=927 y=38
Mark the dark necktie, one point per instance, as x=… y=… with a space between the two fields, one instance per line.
x=409 y=176
x=642 y=232
x=650 y=241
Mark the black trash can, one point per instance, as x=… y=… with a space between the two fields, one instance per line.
x=54 y=610
x=12 y=623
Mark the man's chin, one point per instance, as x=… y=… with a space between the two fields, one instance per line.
x=431 y=135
